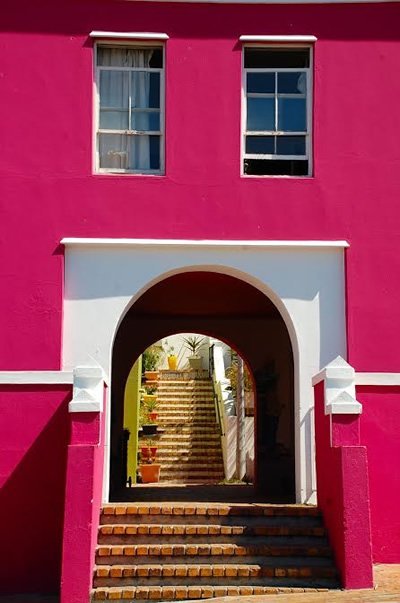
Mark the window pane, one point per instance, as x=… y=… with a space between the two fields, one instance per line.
x=292 y=83
x=275 y=167
x=263 y=145
x=121 y=56
x=273 y=57
x=114 y=89
x=292 y=114
x=113 y=120
x=261 y=82
x=260 y=114
x=113 y=151
x=145 y=89
x=144 y=153
x=145 y=120
x=290 y=145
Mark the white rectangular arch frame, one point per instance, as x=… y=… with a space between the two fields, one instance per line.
x=305 y=279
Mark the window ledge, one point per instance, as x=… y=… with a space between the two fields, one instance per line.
x=304 y=39
x=129 y=35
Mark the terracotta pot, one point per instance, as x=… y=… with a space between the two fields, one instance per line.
x=145 y=452
x=151 y=375
x=150 y=473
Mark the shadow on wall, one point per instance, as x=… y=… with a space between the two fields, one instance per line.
x=33 y=441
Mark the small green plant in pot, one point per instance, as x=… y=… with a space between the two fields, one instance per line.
x=150 y=362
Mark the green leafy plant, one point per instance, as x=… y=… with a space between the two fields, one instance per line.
x=194 y=344
x=150 y=390
x=151 y=358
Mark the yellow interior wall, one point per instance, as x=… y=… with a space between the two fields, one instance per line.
x=131 y=414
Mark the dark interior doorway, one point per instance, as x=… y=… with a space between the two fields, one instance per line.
x=234 y=311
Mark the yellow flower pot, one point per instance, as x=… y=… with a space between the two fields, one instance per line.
x=172 y=362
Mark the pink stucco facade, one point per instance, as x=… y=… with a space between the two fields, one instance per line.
x=48 y=191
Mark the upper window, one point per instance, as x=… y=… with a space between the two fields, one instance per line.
x=277 y=95
x=130 y=88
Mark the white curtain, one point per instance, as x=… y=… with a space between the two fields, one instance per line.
x=116 y=150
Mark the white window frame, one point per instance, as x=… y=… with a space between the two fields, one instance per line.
x=113 y=43
x=309 y=114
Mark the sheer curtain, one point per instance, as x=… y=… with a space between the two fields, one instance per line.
x=119 y=150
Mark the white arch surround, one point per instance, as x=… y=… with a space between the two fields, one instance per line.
x=304 y=279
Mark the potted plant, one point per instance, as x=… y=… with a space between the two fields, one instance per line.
x=149 y=470
x=150 y=361
x=151 y=405
x=194 y=344
x=146 y=424
x=150 y=396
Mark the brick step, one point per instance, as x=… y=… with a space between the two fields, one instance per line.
x=188 y=421
x=185 y=391
x=175 y=404
x=186 y=411
x=205 y=530
x=110 y=554
x=191 y=434
x=202 y=464
x=191 y=429
x=180 y=574
x=200 y=510
x=167 y=457
x=180 y=593
x=183 y=447
x=192 y=476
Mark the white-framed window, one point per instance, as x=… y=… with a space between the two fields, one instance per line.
x=276 y=112
x=130 y=108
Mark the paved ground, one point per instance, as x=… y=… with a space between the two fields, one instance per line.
x=387 y=588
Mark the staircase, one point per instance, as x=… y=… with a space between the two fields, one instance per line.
x=189 y=450
x=179 y=551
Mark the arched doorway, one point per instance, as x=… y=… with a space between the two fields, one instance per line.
x=234 y=311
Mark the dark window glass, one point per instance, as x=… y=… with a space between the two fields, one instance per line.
x=272 y=167
x=260 y=144
x=261 y=82
x=290 y=145
x=276 y=58
x=292 y=83
x=156 y=60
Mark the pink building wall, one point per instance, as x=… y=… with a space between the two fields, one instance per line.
x=380 y=429
x=48 y=191
x=34 y=436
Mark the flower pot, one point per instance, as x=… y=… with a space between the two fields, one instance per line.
x=172 y=362
x=149 y=398
x=144 y=452
x=151 y=375
x=150 y=473
x=149 y=429
x=195 y=363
